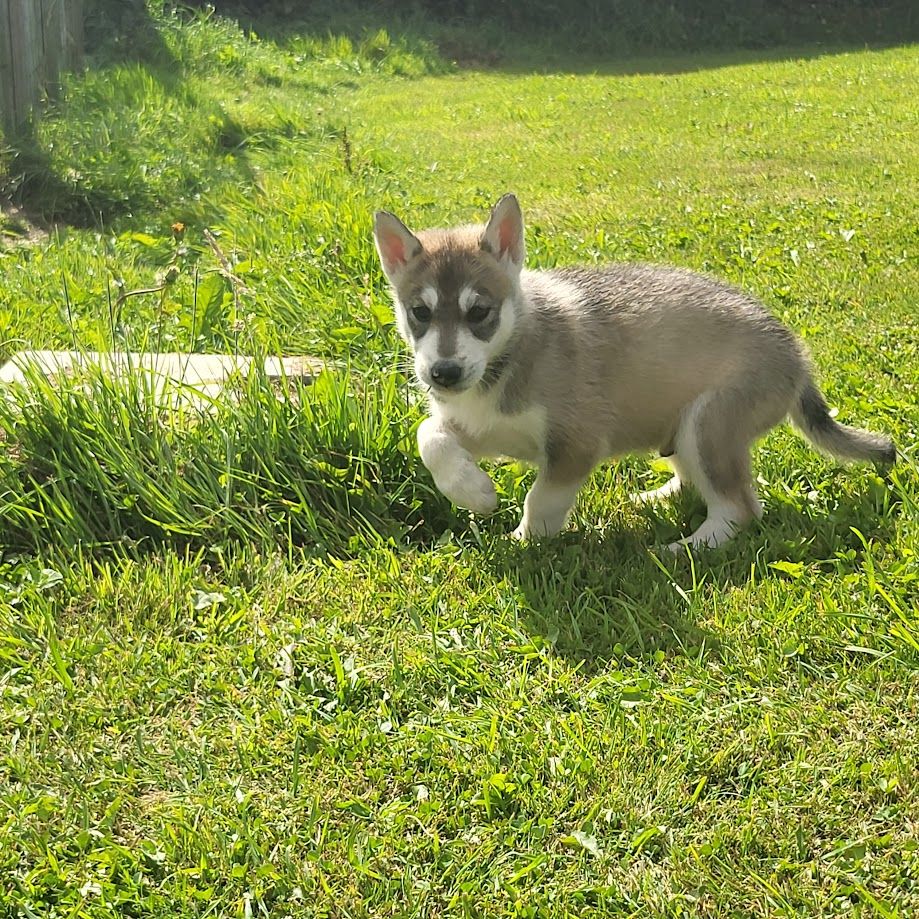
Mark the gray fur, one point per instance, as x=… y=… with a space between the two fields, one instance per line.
x=637 y=344
x=641 y=342
x=811 y=414
x=616 y=360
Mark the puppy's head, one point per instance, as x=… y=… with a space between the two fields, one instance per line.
x=456 y=293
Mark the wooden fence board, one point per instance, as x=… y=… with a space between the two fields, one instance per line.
x=52 y=34
x=72 y=24
x=39 y=39
x=6 y=64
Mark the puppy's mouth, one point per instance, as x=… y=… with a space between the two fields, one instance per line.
x=448 y=389
x=446 y=392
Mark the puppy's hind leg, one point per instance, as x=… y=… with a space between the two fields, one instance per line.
x=670 y=488
x=714 y=454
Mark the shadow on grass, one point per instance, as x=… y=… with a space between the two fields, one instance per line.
x=638 y=37
x=28 y=177
x=597 y=597
x=52 y=185
x=600 y=595
x=124 y=32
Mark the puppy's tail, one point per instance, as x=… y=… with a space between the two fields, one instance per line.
x=811 y=416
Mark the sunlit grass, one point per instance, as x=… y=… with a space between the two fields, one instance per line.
x=252 y=664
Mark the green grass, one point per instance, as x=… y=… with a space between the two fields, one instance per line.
x=251 y=664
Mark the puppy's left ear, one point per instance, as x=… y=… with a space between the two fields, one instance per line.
x=503 y=235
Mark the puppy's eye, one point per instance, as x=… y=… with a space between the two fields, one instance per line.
x=421 y=313
x=478 y=313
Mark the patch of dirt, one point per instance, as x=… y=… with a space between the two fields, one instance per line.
x=17 y=229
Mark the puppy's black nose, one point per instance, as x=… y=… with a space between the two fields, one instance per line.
x=446 y=373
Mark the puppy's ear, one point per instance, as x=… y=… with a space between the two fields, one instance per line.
x=395 y=244
x=504 y=233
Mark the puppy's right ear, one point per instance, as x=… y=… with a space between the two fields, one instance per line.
x=395 y=243
x=503 y=236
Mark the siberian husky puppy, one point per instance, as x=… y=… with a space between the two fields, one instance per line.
x=566 y=368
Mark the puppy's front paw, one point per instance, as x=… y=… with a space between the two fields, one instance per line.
x=539 y=529
x=471 y=489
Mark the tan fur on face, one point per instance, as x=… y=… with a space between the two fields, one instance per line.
x=451 y=260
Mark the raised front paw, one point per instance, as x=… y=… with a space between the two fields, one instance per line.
x=470 y=488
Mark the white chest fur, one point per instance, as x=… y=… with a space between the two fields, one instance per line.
x=493 y=433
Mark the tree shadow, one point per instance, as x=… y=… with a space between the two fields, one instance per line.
x=124 y=32
x=624 y=39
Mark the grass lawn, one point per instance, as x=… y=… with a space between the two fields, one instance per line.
x=251 y=664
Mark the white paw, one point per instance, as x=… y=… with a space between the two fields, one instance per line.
x=714 y=532
x=471 y=489
x=667 y=490
x=539 y=529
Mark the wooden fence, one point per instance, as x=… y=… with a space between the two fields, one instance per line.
x=39 y=39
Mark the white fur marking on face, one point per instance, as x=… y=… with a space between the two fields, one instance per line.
x=506 y=322
x=468 y=348
x=426 y=356
x=429 y=296
x=467 y=297
x=402 y=325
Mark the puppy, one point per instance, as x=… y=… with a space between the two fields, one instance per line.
x=566 y=368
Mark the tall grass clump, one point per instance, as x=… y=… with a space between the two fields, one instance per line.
x=120 y=461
